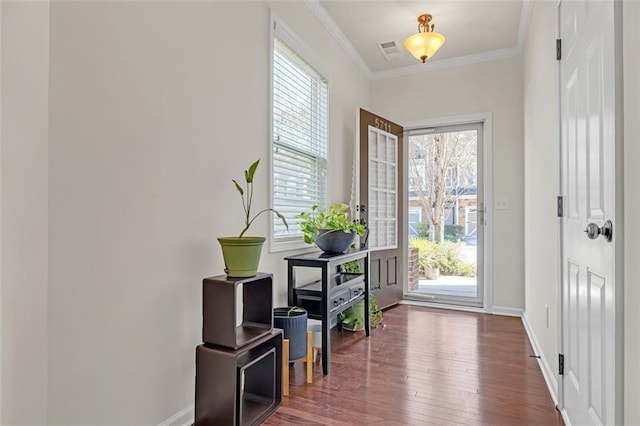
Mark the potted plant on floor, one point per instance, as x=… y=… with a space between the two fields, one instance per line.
x=429 y=257
x=293 y=321
x=353 y=318
x=330 y=229
x=242 y=253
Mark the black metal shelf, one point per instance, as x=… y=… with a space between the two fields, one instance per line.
x=336 y=280
x=333 y=293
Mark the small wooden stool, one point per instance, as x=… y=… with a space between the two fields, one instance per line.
x=306 y=358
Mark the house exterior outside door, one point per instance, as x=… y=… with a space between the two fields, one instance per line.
x=590 y=288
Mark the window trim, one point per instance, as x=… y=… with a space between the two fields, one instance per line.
x=279 y=29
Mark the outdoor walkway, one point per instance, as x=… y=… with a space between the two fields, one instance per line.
x=449 y=285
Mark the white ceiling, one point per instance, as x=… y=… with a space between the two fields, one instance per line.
x=475 y=31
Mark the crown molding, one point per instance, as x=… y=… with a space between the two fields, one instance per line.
x=525 y=20
x=458 y=61
x=329 y=24
x=337 y=34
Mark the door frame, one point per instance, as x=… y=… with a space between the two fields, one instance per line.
x=486 y=118
x=618 y=241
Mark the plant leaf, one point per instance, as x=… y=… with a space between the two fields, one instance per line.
x=238 y=187
x=252 y=171
x=282 y=218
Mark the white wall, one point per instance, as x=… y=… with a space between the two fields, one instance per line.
x=154 y=108
x=23 y=262
x=541 y=182
x=631 y=71
x=494 y=87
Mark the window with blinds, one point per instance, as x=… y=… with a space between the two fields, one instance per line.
x=299 y=139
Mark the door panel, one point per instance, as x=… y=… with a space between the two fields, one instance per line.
x=392 y=276
x=573 y=348
x=380 y=192
x=596 y=342
x=595 y=200
x=587 y=106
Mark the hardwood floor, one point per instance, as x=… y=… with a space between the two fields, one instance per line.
x=426 y=366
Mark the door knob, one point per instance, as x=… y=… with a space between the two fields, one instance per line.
x=593 y=231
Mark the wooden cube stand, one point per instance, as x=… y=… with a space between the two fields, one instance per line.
x=238 y=367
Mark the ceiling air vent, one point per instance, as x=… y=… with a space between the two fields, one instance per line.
x=390 y=50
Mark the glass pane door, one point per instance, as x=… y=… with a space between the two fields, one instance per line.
x=446 y=208
x=383 y=190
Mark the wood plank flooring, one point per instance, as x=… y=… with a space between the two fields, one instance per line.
x=425 y=367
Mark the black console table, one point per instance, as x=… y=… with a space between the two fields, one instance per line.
x=336 y=291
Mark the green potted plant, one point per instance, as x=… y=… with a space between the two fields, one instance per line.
x=429 y=257
x=353 y=318
x=330 y=229
x=242 y=253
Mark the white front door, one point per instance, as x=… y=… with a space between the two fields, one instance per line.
x=588 y=113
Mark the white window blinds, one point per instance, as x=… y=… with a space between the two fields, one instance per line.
x=299 y=139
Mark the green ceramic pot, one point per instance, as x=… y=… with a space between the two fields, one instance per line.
x=241 y=255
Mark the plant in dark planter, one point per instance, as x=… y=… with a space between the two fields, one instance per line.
x=353 y=318
x=293 y=320
x=242 y=254
x=330 y=229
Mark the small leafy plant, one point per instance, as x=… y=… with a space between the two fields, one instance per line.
x=246 y=195
x=335 y=218
x=375 y=313
x=353 y=318
x=353 y=267
x=295 y=310
x=444 y=256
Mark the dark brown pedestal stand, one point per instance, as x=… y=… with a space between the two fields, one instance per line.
x=238 y=368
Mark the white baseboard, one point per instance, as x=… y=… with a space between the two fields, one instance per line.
x=504 y=310
x=547 y=373
x=184 y=417
x=442 y=306
x=495 y=310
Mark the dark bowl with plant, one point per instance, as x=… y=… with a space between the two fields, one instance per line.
x=330 y=229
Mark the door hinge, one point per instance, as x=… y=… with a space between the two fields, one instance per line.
x=560 y=206
x=558 y=49
x=561 y=364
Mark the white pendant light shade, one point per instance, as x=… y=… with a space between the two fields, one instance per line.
x=424 y=45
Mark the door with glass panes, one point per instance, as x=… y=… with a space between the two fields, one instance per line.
x=445 y=184
x=380 y=193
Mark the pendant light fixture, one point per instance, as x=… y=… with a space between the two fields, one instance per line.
x=425 y=43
